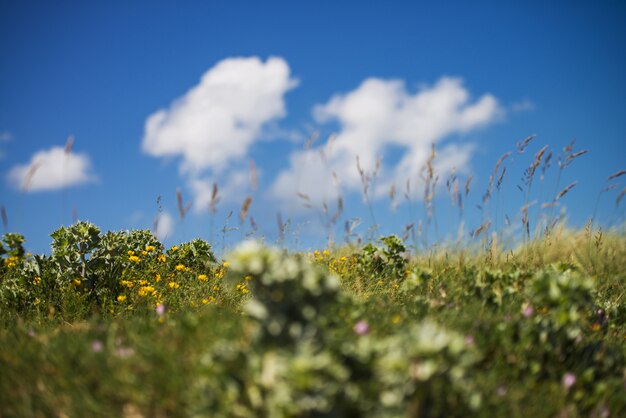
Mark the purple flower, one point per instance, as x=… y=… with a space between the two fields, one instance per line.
x=568 y=380
x=361 y=327
x=160 y=310
x=96 y=346
x=527 y=310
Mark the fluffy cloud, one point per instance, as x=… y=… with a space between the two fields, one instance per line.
x=164 y=226
x=379 y=117
x=51 y=170
x=216 y=121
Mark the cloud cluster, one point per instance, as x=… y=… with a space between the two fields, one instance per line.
x=382 y=117
x=52 y=169
x=216 y=121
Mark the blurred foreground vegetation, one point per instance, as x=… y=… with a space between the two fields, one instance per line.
x=115 y=325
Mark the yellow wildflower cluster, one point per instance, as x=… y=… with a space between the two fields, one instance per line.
x=181 y=267
x=11 y=261
x=243 y=288
x=147 y=290
x=210 y=299
x=127 y=283
x=77 y=282
x=150 y=248
x=37 y=280
x=342 y=266
x=203 y=277
x=131 y=252
x=320 y=255
x=121 y=298
x=157 y=277
x=134 y=258
x=162 y=258
x=173 y=285
x=219 y=272
x=174 y=248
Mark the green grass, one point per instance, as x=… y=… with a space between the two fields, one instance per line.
x=347 y=332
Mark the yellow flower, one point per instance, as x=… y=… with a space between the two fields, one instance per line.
x=157 y=277
x=162 y=258
x=37 y=301
x=77 y=282
x=134 y=258
x=225 y=264
x=216 y=288
x=173 y=285
x=37 y=280
x=150 y=248
x=127 y=283
x=143 y=282
x=242 y=288
x=180 y=267
x=396 y=319
x=326 y=253
x=11 y=261
x=121 y=298
x=205 y=301
x=131 y=252
x=145 y=291
x=174 y=248
x=144 y=253
x=203 y=277
x=29 y=254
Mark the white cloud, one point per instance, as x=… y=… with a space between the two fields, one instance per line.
x=51 y=170
x=164 y=226
x=5 y=136
x=523 y=106
x=380 y=116
x=216 y=121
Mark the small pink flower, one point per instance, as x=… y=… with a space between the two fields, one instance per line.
x=501 y=391
x=160 y=310
x=97 y=346
x=568 y=380
x=361 y=327
x=469 y=340
x=527 y=310
x=124 y=352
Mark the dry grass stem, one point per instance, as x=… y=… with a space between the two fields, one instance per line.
x=245 y=207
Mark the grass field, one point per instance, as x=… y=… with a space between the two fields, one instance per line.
x=113 y=324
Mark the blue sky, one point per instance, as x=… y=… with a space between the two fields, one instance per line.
x=225 y=83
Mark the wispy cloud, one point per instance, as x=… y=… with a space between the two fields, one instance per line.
x=380 y=116
x=5 y=136
x=213 y=125
x=164 y=226
x=522 y=106
x=52 y=169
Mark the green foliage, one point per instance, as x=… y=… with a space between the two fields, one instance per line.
x=114 y=324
